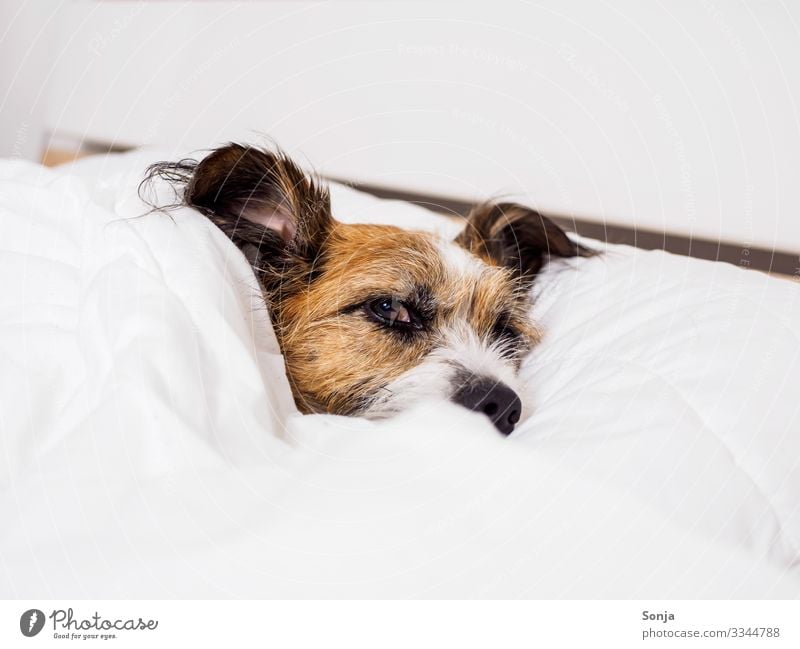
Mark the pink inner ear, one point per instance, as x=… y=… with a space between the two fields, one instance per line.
x=277 y=220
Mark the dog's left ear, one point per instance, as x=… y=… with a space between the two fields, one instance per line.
x=517 y=237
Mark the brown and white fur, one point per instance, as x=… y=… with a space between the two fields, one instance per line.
x=372 y=318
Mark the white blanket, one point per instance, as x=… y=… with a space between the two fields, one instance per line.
x=151 y=448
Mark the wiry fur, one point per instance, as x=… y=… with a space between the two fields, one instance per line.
x=319 y=276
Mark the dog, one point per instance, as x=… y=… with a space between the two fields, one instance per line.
x=373 y=318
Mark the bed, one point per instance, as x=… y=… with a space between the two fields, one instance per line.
x=151 y=447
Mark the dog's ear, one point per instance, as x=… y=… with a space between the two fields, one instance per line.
x=270 y=208
x=262 y=200
x=517 y=237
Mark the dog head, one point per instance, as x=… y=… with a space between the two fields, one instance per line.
x=374 y=318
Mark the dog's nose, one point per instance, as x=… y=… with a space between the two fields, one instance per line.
x=496 y=400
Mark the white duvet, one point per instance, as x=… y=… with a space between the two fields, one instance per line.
x=150 y=446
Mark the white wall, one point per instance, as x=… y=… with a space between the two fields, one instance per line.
x=679 y=116
x=27 y=31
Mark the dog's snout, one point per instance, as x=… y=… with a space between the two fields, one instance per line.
x=496 y=400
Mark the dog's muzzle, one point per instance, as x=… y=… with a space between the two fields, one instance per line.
x=494 y=399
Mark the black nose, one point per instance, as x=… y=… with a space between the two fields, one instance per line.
x=496 y=400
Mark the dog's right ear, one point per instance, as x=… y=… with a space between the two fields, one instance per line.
x=272 y=210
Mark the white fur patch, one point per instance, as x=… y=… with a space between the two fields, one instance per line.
x=460 y=262
x=464 y=349
x=437 y=377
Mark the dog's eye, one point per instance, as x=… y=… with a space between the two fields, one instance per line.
x=392 y=312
